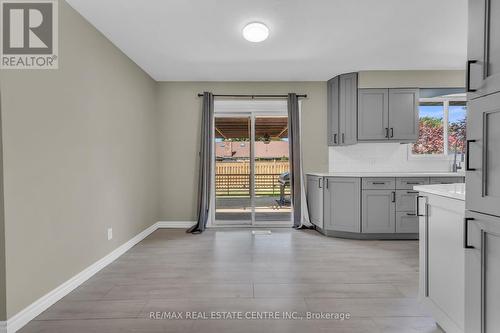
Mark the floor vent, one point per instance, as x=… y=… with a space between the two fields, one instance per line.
x=261 y=232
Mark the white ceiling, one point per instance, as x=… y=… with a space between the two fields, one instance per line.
x=309 y=39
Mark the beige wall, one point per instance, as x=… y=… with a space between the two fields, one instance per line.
x=180 y=117
x=80 y=155
x=3 y=286
x=417 y=79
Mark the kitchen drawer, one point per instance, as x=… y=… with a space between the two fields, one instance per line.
x=379 y=183
x=447 y=180
x=406 y=201
x=406 y=223
x=408 y=183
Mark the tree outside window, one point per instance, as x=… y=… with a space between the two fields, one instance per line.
x=442 y=126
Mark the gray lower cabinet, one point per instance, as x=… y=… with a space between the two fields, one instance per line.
x=447 y=180
x=483 y=158
x=378 y=211
x=342 y=107
x=406 y=223
x=342 y=204
x=367 y=205
x=482 y=273
x=315 y=200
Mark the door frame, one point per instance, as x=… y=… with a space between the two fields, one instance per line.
x=252 y=109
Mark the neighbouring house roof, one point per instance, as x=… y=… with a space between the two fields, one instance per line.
x=235 y=149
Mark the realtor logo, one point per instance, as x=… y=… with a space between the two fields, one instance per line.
x=29 y=34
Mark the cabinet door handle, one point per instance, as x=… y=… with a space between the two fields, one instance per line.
x=411 y=192
x=319 y=183
x=393 y=196
x=467 y=79
x=418 y=205
x=411 y=214
x=392 y=132
x=343 y=138
x=426 y=250
x=387 y=132
x=378 y=183
x=466 y=233
x=335 y=138
x=467 y=153
x=327 y=183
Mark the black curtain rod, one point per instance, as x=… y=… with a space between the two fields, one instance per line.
x=255 y=96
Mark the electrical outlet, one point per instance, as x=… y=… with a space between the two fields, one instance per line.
x=110 y=233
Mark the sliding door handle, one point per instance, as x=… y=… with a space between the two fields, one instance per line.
x=467 y=74
x=466 y=233
x=467 y=153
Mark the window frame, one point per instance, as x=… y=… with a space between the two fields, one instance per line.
x=445 y=156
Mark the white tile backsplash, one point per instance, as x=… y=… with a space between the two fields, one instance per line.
x=380 y=157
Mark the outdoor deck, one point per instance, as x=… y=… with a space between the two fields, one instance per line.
x=267 y=209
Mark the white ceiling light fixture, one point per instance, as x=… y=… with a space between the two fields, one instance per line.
x=255 y=32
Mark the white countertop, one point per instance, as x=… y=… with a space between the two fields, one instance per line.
x=454 y=191
x=387 y=174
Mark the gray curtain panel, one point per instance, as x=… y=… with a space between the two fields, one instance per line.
x=295 y=169
x=205 y=169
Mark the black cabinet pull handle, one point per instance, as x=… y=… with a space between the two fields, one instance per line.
x=335 y=138
x=411 y=192
x=467 y=79
x=418 y=205
x=319 y=183
x=392 y=132
x=411 y=214
x=343 y=138
x=466 y=233
x=327 y=183
x=467 y=159
x=378 y=183
x=393 y=196
x=387 y=132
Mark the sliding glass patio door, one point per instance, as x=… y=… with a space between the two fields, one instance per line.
x=251 y=169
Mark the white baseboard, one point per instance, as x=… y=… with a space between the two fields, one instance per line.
x=29 y=313
x=175 y=224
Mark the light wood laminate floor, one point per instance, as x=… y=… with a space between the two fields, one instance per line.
x=232 y=270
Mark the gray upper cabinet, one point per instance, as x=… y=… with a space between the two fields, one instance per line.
x=333 y=111
x=315 y=200
x=403 y=114
x=348 y=100
x=342 y=204
x=388 y=114
x=483 y=158
x=378 y=211
x=483 y=65
x=373 y=114
x=342 y=103
x=482 y=273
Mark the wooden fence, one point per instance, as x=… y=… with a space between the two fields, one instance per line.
x=233 y=178
x=261 y=167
